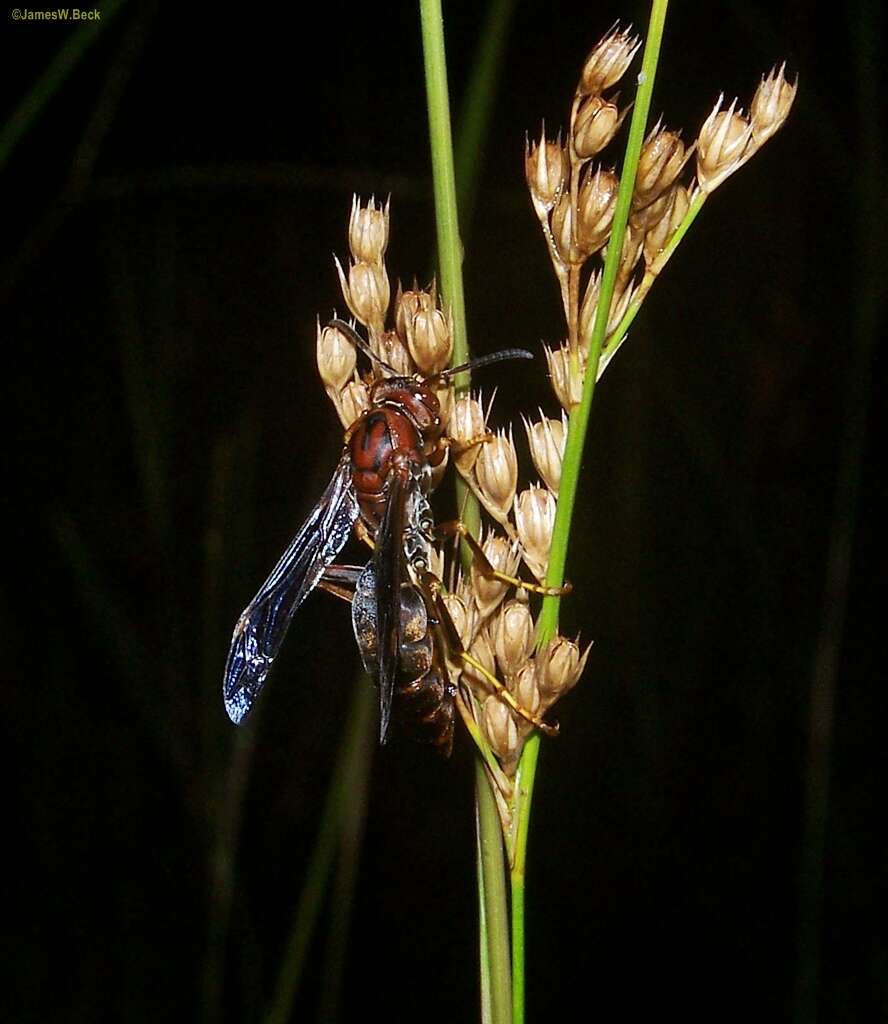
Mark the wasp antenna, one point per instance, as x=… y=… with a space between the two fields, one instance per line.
x=360 y=344
x=493 y=357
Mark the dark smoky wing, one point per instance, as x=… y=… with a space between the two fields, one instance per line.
x=388 y=560
x=261 y=628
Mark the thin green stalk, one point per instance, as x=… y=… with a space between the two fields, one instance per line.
x=494 y=952
x=570 y=472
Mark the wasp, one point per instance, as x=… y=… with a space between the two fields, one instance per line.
x=379 y=490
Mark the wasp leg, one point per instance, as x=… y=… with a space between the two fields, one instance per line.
x=430 y=588
x=460 y=446
x=458 y=528
x=364 y=534
x=341 y=580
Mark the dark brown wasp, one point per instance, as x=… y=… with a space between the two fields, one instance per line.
x=380 y=490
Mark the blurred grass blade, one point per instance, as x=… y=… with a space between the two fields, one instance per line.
x=57 y=72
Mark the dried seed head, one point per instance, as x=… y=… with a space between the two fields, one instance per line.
x=407 y=305
x=481 y=650
x=567 y=380
x=596 y=123
x=391 y=349
x=596 y=203
x=672 y=208
x=513 y=636
x=546 y=439
x=463 y=617
x=559 y=665
x=336 y=357
x=545 y=166
x=465 y=425
x=500 y=729
x=430 y=340
x=366 y=292
x=608 y=61
x=771 y=104
x=722 y=146
x=368 y=230
x=354 y=400
x=534 y=521
x=496 y=471
x=662 y=158
x=562 y=230
x=619 y=304
x=503 y=556
x=526 y=690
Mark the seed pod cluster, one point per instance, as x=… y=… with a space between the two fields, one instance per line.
x=574 y=196
x=420 y=340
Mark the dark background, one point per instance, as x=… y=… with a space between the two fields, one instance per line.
x=168 y=224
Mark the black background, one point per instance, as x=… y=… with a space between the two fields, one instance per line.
x=162 y=270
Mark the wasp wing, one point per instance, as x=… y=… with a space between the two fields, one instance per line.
x=388 y=561
x=261 y=628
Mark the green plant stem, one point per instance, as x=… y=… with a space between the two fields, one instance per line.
x=494 y=946
x=579 y=422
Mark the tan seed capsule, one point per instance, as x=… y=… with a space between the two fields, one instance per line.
x=500 y=729
x=336 y=357
x=513 y=636
x=608 y=61
x=463 y=618
x=722 y=146
x=662 y=158
x=771 y=104
x=545 y=166
x=466 y=424
x=660 y=233
x=366 y=291
x=496 y=471
x=392 y=350
x=430 y=340
x=354 y=400
x=596 y=204
x=368 y=230
x=482 y=651
x=525 y=689
x=546 y=439
x=503 y=557
x=407 y=305
x=562 y=231
x=596 y=124
x=567 y=380
x=559 y=665
x=534 y=521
